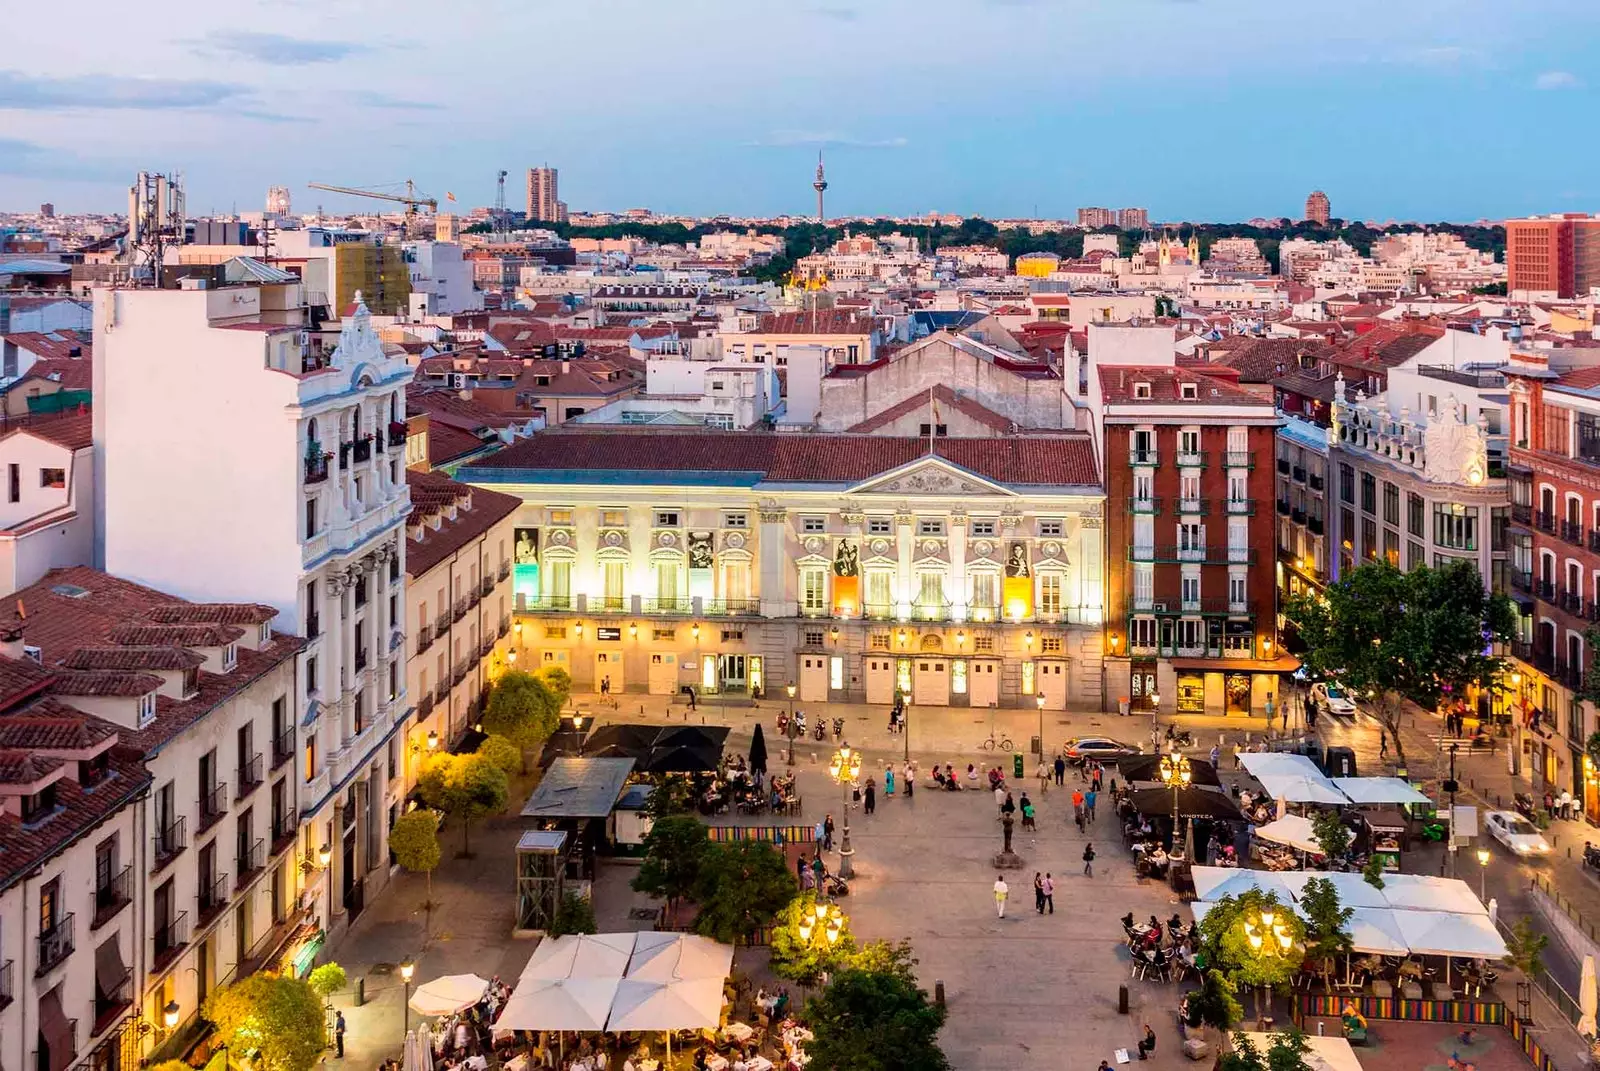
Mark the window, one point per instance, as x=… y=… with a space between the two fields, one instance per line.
x=1050 y=593
x=613 y=518
x=930 y=526
x=667 y=582
x=1236 y=589
x=561 y=516
x=813 y=638
x=555 y=632
x=558 y=577
x=230 y=656
x=983 y=644
x=1050 y=644
x=985 y=591
x=982 y=528
x=1347 y=484
x=1050 y=528
x=1391 y=503
x=52 y=477
x=613 y=580
x=1191 y=588
x=958 y=677
x=1189 y=441
x=734 y=520
x=936 y=430
x=1414 y=515
x=14 y=483
x=880 y=525
x=311 y=756
x=1455 y=527
x=147 y=709
x=880 y=591
x=311 y=675
x=311 y=516
x=1369 y=538
x=930 y=590
x=813 y=524
x=1140 y=390
x=667 y=519
x=879 y=641
x=1369 y=493
x=1189 y=390
x=1415 y=554
x=1391 y=547
x=813 y=590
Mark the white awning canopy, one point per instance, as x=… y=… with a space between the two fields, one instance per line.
x=589 y=955
x=1294 y=778
x=1215 y=882
x=1447 y=933
x=559 y=1004
x=1369 y=790
x=1425 y=892
x=452 y=993
x=1292 y=830
x=695 y=1004
x=1376 y=930
x=1326 y=1053
x=1353 y=889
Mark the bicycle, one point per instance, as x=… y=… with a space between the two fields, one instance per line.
x=1003 y=744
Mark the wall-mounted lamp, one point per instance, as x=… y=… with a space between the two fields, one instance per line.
x=633 y=631
x=511 y=657
x=961 y=637
x=1027 y=638
x=580 y=629
x=324 y=854
x=433 y=739
x=833 y=633
x=902 y=637
x=169 y=1014
x=694 y=630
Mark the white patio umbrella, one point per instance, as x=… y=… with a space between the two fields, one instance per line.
x=424 y=1044
x=689 y=1005
x=676 y=957
x=589 y=955
x=449 y=994
x=408 y=1055
x=574 y=1004
x=1588 y=998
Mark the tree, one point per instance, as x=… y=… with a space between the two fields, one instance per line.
x=502 y=753
x=1418 y=635
x=277 y=1019
x=414 y=840
x=559 y=683
x=466 y=786
x=1213 y=1004
x=758 y=751
x=1235 y=941
x=673 y=850
x=1327 y=924
x=874 y=1021
x=1285 y=1053
x=886 y=957
x=741 y=887
x=522 y=708
x=575 y=914
x=1331 y=834
x=806 y=959
x=1525 y=949
x=673 y=794
x=326 y=980
x=1372 y=873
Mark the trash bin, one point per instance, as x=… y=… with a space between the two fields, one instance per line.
x=1122 y=706
x=1036 y=747
x=1016 y=764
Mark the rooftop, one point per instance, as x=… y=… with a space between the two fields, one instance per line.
x=476 y=511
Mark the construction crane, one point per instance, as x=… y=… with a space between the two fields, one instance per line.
x=409 y=198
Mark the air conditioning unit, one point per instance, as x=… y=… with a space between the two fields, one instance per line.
x=1161 y=607
x=458 y=381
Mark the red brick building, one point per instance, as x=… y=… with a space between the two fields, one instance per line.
x=1191 y=622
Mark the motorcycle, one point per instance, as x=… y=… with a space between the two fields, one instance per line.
x=820 y=732
x=800 y=723
x=783 y=722
x=1591 y=856
x=1434 y=830
x=838 y=729
x=1523 y=802
x=1179 y=737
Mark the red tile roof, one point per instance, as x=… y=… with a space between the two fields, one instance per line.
x=447 y=444
x=1065 y=459
x=815 y=322
x=56 y=345
x=1166 y=387
x=477 y=511
x=923 y=402
x=73 y=430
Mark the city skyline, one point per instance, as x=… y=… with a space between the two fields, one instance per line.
x=1090 y=105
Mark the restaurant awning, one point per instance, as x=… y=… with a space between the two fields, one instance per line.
x=1215 y=882
x=449 y=994
x=1449 y=933
x=589 y=955
x=695 y=1004
x=1191 y=802
x=559 y=1004
x=665 y=957
x=1325 y=1053
x=1376 y=930
x=1294 y=778
x=579 y=788
x=1147 y=768
x=1425 y=892
x=1364 y=790
x=1292 y=830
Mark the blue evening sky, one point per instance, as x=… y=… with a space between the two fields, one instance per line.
x=1198 y=109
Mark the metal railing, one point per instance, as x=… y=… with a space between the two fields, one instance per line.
x=112 y=896
x=505 y=625
x=424 y=638
x=1144 y=457
x=251 y=861
x=317 y=468
x=250 y=772
x=55 y=944
x=313 y=625
x=441 y=692
x=666 y=606
x=1191 y=459
x=1239 y=459
x=1197 y=506
x=170 y=937
x=213 y=804
x=1144 y=505
x=425 y=706
x=7 y=989
x=283 y=747
x=284 y=830
x=733 y=607
x=1572 y=533
x=486 y=587
x=168 y=843
x=212 y=898
x=441 y=623
x=1521 y=513
x=547 y=604
x=505 y=569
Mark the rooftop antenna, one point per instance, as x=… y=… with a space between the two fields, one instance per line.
x=502 y=224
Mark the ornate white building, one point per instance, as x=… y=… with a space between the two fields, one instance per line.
x=960 y=571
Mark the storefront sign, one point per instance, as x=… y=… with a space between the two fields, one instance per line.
x=605 y=633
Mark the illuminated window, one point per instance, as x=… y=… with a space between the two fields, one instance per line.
x=836 y=673
x=1027 y=678
x=958 y=677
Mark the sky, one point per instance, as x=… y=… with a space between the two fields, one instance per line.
x=1197 y=109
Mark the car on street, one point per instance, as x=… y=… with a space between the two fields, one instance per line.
x=1334 y=699
x=1516 y=833
x=1100 y=748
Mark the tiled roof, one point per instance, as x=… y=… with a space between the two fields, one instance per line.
x=51 y=726
x=431 y=493
x=137 y=634
x=447 y=444
x=203 y=613
x=1257 y=360
x=103 y=683
x=21 y=678
x=1066 y=459
x=25 y=768
x=54 y=345
x=133 y=658
x=816 y=322
x=74 y=430
x=922 y=401
x=76 y=373
x=1166 y=387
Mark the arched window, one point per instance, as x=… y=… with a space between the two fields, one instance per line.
x=312 y=442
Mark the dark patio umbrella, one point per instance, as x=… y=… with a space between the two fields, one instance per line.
x=1147 y=768
x=758 y=751
x=692 y=736
x=682 y=759
x=1192 y=803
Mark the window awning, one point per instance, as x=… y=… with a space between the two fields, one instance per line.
x=56 y=1031
x=109 y=970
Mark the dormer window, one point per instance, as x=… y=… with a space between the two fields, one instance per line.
x=667 y=519
x=40 y=805
x=230 y=657
x=1189 y=390
x=32 y=653
x=191 y=683
x=147 y=709
x=92 y=771
x=265 y=635
x=1141 y=390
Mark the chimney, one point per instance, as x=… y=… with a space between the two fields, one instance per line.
x=566 y=366
x=11 y=644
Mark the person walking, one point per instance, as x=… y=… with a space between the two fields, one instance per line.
x=1049 y=886
x=871 y=796
x=1099 y=772
x=1216 y=754
x=1043 y=774
x=691 y=698
x=1061 y=770
x=818 y=869
x=1008 y=808
x=911 y=778
x=999 y=799
x=888 y=780
x=1088 y=860
x=1088 y=804
x=1383 y=746
x=1001 y=890
x=1077 y=804
x=800 y=868
x=338 y=1033
x=827 y=833
x=1038 y=892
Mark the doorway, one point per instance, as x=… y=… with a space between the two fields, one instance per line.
x=1052 y=684
x=930 y=684
x=813 y=678
x=880 y=679
x=663 y=673
x=608 y=672
x=983 y=683
x=1142 y=693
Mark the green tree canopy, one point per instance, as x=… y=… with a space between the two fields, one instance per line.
x=1331 y=834
x=414 y=840
x=1525 y=949
x=1287 y=1052
x=1418 y=635
x=1327 y=923
x=673 y=850
x=1235 y=940
x=559 y=682
x=875 y=1021
x=1214 y=1004
x=326 y=980
x=523 y=708
x=741 y=887
x=503 y=753
x=278 y=1020
x=575 y=914
x=466 y=787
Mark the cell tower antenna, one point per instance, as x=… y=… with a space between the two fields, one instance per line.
x=502 y=225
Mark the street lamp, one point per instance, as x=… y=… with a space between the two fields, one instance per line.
x=788 y=729
x=407 y=969
x=845 y=768
x=1039 y=699
x=1483 y=874
x=1175 y=774
x=324 y=857
x=1268 y=937
x=169 y=1014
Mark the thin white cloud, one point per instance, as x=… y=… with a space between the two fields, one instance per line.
x=1557 y=80
x=25 y=92
x=276 y=49
x=1444 y=56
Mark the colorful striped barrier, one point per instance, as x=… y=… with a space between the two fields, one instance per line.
x=790 y=834
x=1484 y=1012
x=1530 y=1047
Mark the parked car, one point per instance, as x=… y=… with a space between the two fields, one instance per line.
x=1334 y=699
x=1516 y=833
x=1100 y=748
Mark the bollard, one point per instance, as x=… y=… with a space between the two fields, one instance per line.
x=361 y=991
x=938 y=992
x=1122 y=999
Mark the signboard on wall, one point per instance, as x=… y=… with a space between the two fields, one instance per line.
x=605 y=632
x=525 y=562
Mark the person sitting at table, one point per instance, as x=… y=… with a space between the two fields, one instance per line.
x=1127 y=922
x=781 y=1005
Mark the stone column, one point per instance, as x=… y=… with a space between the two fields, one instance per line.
x=957 y=591
x=905 y=541
x=775 y=579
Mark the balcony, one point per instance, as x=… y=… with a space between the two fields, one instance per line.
x=171 y=937
x=463 y=667
x=878 y=611
x=1572 y=533
x=441 y=692
x=313 y=625
x=213 y=897
x=505 y=626
x=1198 y=507
x=1283 y=507
x=1545 y=589
x=212 y=806
x=441 y=624
x=1521 y=513
x=1298 y=474
x=283 y=747
x=1297 y=515
x=169 y=843
x=486 y=588
x=1283 y=466
x=1143 y=457
x=666 y=606
x=1241 y=506
x=397 y=433
x=1239 y=459
x=505 y=569
x=55 y=945
x=1545 y=522
x=284 y=832
x=548 y=604
x=110 y=1002
x=1148 y=506
x=1169 y=553
x=424 y=706
x=486 y=648
x=251 y=862
x=462 y=606
x=111 y=897
x=250 y=774
x=1594 y=540
x=317 y=467
x=1571 y=602
x=1191 y=459
x=424 y=638
x=7 y=990
x=1567 y=673
x=733 y=608
x=1314 y=525
x=930 y=611
x=1314 y=481
x=344 y=455
x=361 y=450
x=361 y=658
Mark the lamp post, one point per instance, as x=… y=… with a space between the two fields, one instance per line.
x=324 y=857
x=822 y=926
x=1039 y=701
x=406 y=970
x=1268 y=937
x=845 y=768
x=1175 y=774
x=788 y=729
x=1483 y=874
